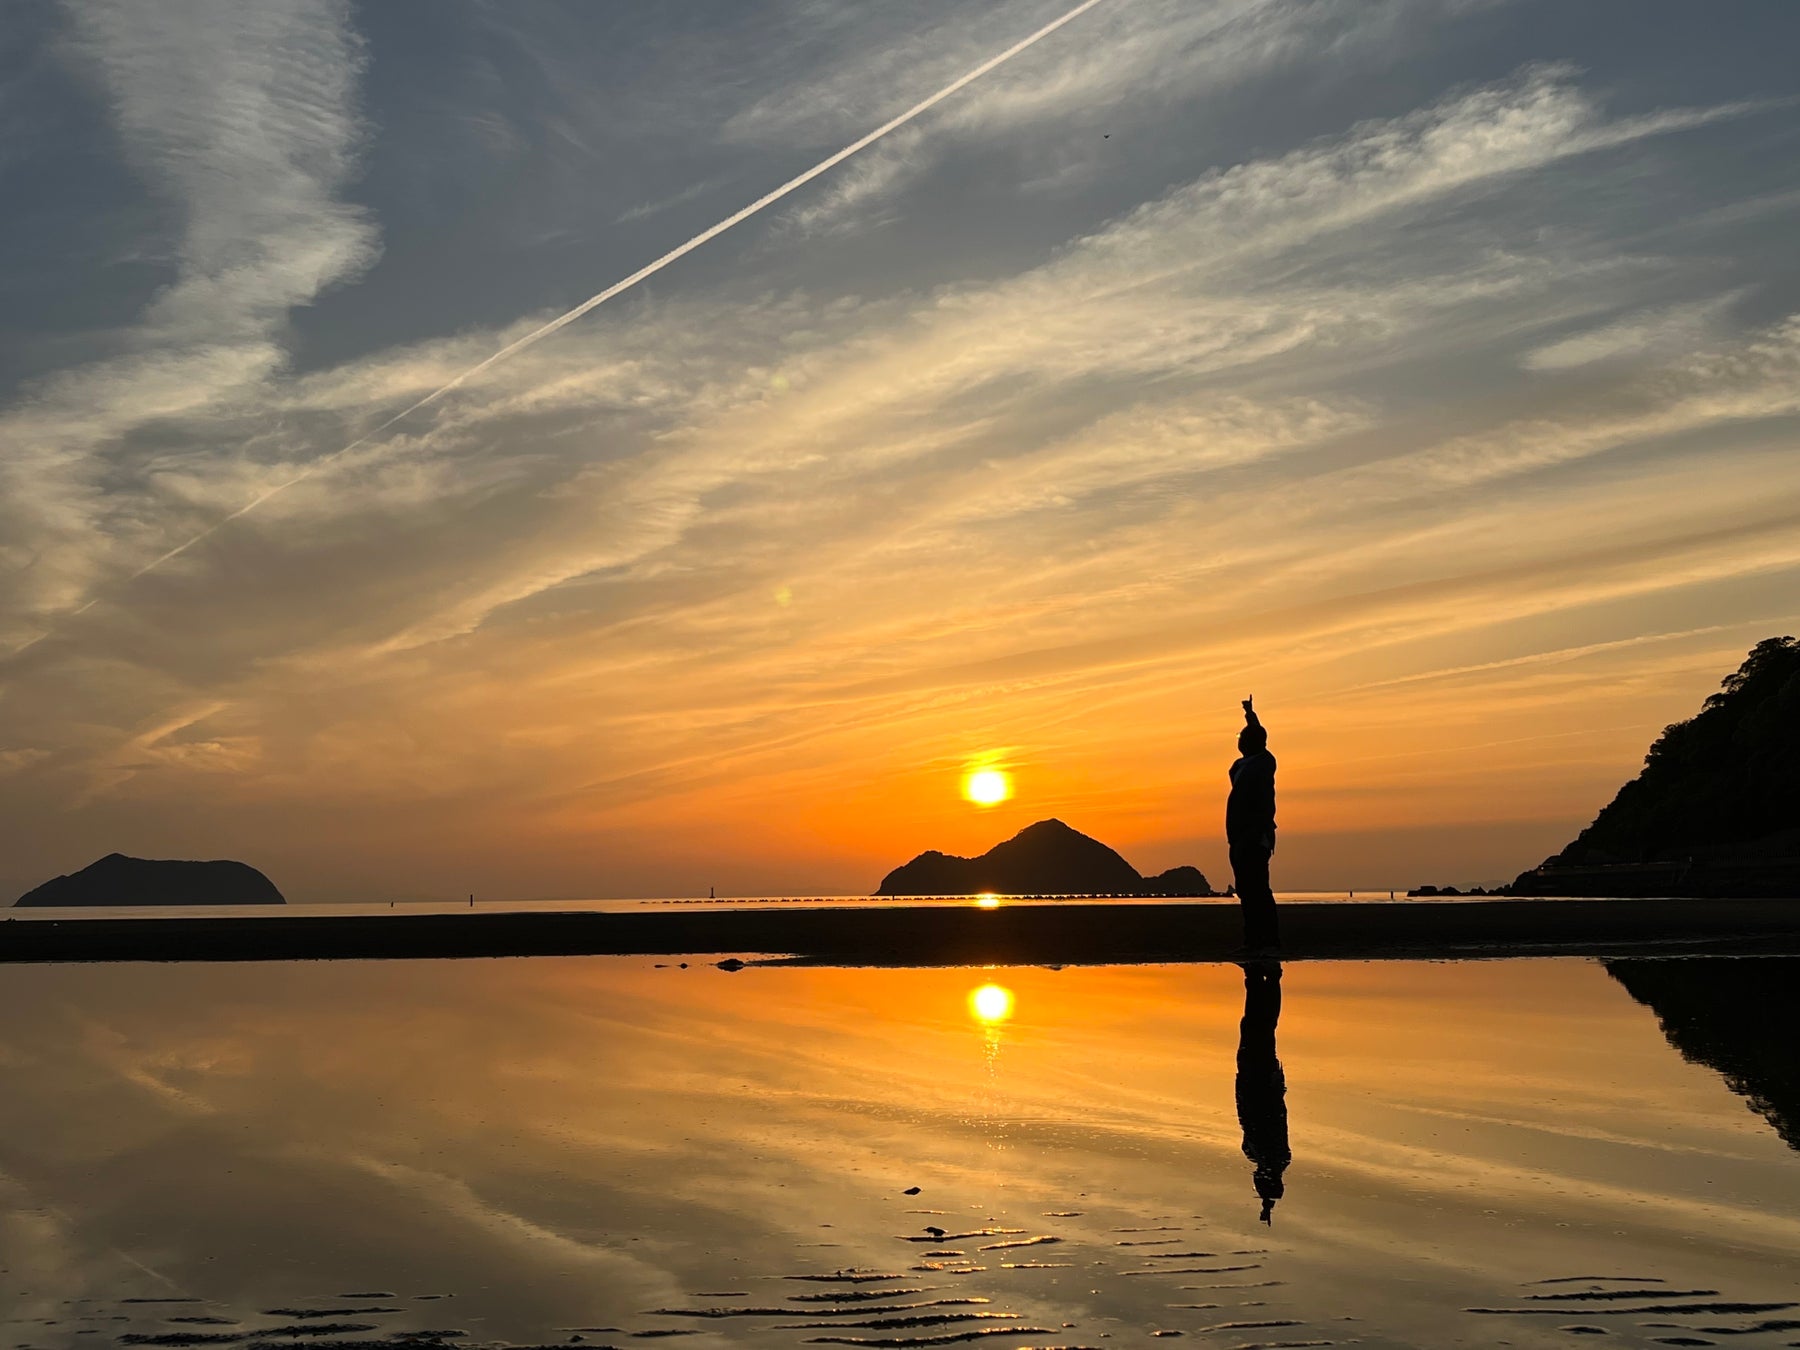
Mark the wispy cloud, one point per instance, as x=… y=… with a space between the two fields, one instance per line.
x=1411 y=396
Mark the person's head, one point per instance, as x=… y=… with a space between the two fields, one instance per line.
x=1252 y=738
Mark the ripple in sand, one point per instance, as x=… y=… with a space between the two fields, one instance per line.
x=949 y=1251
x=958 y=1237
x=844 y=1310
x=1681 y=1340
x=855 y=1295
x=901 y=1323
x=1203 y=1270
x=1020 y=1242
x=305 y=1314
x=1647 y=1308
x=1148 y=1242
x=1160 y=1228
x=178 y=1338
x=845 y=1277
x=317 y=1329
x=1770 y=1325
x=944 y=1268
x=1063 y=1213
x=904 y=1342
x=1607 y=1294
x=1037 y=1265
x=1274 y=1325
x=1577 y=1329
x=1600 y=1279
x=1255 y=1284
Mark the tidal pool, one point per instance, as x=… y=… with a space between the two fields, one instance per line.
x=597 y=1151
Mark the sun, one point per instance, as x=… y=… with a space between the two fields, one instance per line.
x=987 y=787
x=991 y=1003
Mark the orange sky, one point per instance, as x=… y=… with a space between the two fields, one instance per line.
x=1431 y=378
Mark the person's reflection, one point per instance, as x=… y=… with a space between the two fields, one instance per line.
x=1261 y=1085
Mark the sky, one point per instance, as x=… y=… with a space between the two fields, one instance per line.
x=1429 y=369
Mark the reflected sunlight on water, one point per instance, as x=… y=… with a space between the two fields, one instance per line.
x=531 y=1150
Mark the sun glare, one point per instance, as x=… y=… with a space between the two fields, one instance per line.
x=991 y=1003
x=987 y=787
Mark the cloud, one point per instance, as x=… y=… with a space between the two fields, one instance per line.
x=1658 y=332
x=240 y=117
x=1288 y=417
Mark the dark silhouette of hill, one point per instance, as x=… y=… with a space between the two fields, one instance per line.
x=118 y=880
x=1738 y=1016
x=1712 y=813
x=1047 y=858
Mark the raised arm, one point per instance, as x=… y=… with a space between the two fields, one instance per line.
x=1250 y=718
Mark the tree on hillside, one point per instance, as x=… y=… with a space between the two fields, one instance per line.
x=1725 y=778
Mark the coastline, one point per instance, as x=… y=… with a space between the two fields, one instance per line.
x=1064 y=934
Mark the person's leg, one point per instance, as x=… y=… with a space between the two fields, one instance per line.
x=1250 y=874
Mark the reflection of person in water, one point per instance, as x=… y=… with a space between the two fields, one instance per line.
x=1261 y=1085
x=1250 y=833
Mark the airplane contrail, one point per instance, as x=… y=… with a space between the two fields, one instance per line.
x=643 y=273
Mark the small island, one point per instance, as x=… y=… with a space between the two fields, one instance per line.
x=119 y=880
x=1048 y=858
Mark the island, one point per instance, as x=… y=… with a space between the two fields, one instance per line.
x=119 y=880
x=1048 y=858
x=1712 y=813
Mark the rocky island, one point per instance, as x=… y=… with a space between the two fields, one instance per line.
x=118 y=880
x=1048 y=858
x=1713 y=813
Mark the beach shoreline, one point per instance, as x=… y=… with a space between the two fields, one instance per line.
x=1067 y=934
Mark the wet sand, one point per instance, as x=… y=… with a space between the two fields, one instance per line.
x=1068 y=933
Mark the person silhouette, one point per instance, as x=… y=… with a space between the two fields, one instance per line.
x=1261 y=1084
x=1250 y=833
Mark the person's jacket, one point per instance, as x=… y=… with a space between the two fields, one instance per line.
x=1250 y=809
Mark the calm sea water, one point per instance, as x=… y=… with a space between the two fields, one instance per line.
x=611 y=1149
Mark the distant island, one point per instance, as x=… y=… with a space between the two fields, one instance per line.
x=118 y=880
x=1048 y=858
x=1712 y=813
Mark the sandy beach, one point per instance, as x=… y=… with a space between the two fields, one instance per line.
x=898 y=934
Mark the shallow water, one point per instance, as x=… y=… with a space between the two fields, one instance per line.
x=1494 y=1153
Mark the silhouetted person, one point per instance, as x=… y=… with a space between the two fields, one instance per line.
x=1261 y=1085
x=1250 y=832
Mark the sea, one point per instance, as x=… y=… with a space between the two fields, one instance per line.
x=608 y=1151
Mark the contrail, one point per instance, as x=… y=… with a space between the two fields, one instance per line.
x=620 y=287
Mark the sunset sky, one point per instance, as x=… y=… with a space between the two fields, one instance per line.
x=1428 y=368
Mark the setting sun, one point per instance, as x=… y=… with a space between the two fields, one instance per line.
x=991 y=1003
x=987 y=787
